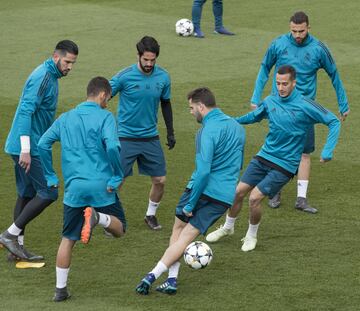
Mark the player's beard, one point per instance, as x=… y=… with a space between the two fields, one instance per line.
x=198 y=117
x=146 y=69
x=58 y=65
x=301 y=40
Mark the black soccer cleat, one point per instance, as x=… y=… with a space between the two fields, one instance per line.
x=10 y=242
x=301 y=204
x=152 y=222
x=61 y=294
x=275 y=201
x=30 y=256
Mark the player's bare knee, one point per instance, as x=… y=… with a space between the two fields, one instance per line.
x=305 y=157
x=158 y=181
x=240 y=194
x=241 y=191
x=254 y=201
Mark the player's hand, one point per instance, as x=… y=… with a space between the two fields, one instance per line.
x=324 y=160
x=171 y=141
x=344 y=115
x=109 y=189
x=25 y=161
x=187 y=214
x=253 y=106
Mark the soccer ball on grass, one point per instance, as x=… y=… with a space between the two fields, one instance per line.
x=198 y=255
x=184 y=27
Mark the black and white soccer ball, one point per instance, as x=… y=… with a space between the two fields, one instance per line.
x=198 y=255
x=184 y=27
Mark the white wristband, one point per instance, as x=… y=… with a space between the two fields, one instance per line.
x=25 y=144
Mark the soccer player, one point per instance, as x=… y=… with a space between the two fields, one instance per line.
x=91 y=166
x=218 y=15
x=34 y=115
x=211 y=190
x=142 y=87
x=307 y=55
x=290 y=116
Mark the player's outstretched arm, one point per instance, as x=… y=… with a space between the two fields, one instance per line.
x=319 y=114
x=267 y=63
x=329 y=65
x=253 y=116
x=205 y=148
x=334 y=126
x=45 y=151
x=113 y=147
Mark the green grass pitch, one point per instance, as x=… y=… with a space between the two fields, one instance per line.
x=302 y=262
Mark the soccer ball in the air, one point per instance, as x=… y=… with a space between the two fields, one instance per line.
x=184 y=27
x=198 y=255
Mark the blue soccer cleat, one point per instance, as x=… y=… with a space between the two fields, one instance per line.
x=223 y=31
x=198 y=33
x=144 y=286
x=168 y=287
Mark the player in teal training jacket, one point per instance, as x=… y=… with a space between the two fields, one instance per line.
x=34 y=115
x=307 y=55
x=211 y=190
x=91 y=166
x=290 y=116
x=142 y=87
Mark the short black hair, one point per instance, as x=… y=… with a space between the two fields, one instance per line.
x=299 y=18
x=203 y=95
x=67 y=46
x=97 y=85
x=148 y=44
x=287 y=69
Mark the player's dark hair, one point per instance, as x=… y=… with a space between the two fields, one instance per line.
x=148 y=44
x=97 y=85
x=299 y=18
x=287 y=69
x=203 y=95
x=67 y=46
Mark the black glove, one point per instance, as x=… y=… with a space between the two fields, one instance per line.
x=171 y=141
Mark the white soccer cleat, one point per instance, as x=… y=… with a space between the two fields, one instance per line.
x=218 y=234
x=249 y=243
